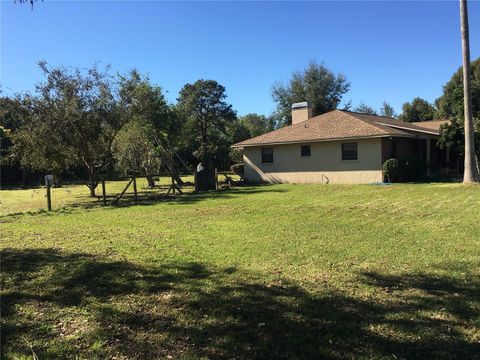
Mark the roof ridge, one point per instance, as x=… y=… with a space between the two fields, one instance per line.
x=360 y=113
x=365 y=121
x=427 y=121
x=396 y=123
x=390 y=118
x=408 y=126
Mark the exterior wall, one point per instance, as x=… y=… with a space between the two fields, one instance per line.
x=325 y=165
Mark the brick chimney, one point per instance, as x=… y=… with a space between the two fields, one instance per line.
x=300 y=112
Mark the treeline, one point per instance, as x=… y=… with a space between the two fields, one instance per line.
x=87 y=124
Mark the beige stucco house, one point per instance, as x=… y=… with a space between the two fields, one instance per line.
x=338 y=147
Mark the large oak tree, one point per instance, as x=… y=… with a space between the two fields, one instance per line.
x=75 y=118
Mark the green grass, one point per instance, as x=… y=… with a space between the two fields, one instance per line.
x=34 y=199
x=281 y=271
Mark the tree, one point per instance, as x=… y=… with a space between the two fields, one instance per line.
x=238 y=131
x=417 y=110
x=14 y=111
x=257 y=124
x=316 y=84
x=76 y=116
x=451 y=104
x=365 y=109
x=142 y=144
x=471 y=169
x=452 y=136
x=387 y=110
x=347 y=105
x=208 y=115
x=136 y=152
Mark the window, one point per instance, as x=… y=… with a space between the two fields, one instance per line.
x=305 y=151
x=267 y=155
x=349 y=151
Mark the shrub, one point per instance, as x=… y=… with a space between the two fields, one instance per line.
x=390 y=169
x=411 y=169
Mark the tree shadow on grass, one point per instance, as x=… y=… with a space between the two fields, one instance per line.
x=147 y=198
x=65 y=305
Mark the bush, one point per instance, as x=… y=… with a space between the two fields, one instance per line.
x=390 y=169
x=411 y=169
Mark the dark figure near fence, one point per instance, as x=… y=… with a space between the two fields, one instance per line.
x=205 y=178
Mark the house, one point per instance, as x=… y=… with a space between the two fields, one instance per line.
x=338 y=147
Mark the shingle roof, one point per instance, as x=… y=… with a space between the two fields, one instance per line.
x=395 y=123
x=432 y=124
x=336 y=124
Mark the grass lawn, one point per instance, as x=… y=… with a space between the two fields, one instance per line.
x=272 y=272
x=34 y=199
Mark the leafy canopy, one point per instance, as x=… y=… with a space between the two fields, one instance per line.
x=317 y=84
x=74 y=119
x=256 y=124
x=417 y=110
x=365 y=109
x=207 y=116
x=387 y=110
x=141 y=144
x=450 y=105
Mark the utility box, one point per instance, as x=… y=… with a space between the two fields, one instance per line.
x=205 y=180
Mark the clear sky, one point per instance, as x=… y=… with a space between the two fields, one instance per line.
x=389 y=51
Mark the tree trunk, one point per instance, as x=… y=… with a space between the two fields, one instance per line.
x=150 y=182
x=92 y=181
x=92 y=187
x=470 y=173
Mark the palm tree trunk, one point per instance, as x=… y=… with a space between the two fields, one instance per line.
x=471 y=170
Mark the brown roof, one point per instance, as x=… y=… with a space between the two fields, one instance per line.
x=432 y=124
x=395 y=123
x=336 y=124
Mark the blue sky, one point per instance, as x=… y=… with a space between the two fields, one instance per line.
x=389 y=51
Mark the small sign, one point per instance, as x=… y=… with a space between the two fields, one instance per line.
x=48 y=180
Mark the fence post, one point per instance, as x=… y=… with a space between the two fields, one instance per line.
x=216 y=179
x=48 y=184
x=49 y=198
x=104 y=192
x=135 y=186
x=195 y=180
